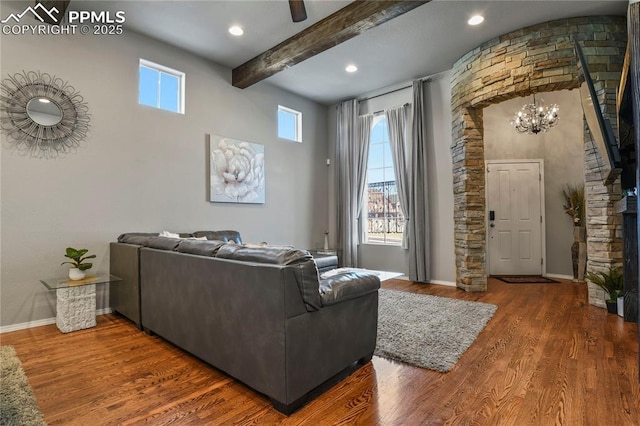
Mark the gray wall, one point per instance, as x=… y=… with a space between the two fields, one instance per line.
x=562 y=150
x=394 y=258
x=143 y=169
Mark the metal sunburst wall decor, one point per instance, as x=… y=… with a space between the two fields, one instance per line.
x=42 y=115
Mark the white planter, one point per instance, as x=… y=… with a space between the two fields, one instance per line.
x=621 y=306
x=76 y=274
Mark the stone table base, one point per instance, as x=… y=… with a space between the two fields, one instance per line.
x=76 y=308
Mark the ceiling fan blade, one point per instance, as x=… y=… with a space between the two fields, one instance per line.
x=298 y=11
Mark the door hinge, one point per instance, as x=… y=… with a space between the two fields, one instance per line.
x=540 y=177
x=540 y=218
x=541 y=261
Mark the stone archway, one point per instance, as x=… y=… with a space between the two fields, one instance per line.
x=535 y=59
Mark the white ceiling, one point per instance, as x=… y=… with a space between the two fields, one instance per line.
x=425 y=41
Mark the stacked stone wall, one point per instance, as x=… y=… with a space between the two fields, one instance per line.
x=604 y=225
x=539 y=58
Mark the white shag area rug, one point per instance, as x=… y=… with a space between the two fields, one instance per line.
x=18 y=405
x=428 y=331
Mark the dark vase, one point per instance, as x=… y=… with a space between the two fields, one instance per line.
x=575 y=249
x=612 y=307
x=579 y=253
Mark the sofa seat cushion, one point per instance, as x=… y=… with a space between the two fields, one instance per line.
x=203 y=248
x=225 y=236
x=347 y=285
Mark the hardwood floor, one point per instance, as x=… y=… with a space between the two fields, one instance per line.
x=546 y=357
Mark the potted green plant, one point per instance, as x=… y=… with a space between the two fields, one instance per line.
x=610 y=281
x=78 y=260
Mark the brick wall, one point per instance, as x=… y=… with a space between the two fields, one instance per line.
x=539 y=58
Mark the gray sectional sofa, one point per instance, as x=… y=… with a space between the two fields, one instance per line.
x=260 y=314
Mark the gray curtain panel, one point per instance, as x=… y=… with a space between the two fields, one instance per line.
x=419 y=267
x=397 y=126
x=352 y=138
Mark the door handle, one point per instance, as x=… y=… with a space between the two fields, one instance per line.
x=492 y=225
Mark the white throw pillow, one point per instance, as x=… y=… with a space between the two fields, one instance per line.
x=169 y=234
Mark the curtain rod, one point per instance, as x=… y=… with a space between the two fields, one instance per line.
x=427 y=79
x=381 y=111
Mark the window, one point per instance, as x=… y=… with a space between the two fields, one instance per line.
x=289 y=124
x=161 y=87
x=385 y=221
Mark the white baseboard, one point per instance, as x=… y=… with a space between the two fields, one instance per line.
x=448 y=283
x=560 y=276
x=40 y=323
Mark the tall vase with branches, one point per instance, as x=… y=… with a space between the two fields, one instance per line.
x=574 y=206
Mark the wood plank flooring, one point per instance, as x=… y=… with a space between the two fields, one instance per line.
x=546 y=358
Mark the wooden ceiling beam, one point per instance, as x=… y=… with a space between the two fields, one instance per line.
x=346 y=23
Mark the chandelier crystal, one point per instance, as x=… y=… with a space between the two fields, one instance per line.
x=535 y=117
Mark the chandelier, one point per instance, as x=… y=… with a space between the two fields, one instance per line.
x=535 y=118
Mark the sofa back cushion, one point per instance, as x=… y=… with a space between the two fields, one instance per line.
x=225 y=236
x=267 y=254
x=203 y=248
x=139 y=238
x=300 y=262
x=163 y=243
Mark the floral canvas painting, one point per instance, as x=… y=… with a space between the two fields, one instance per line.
x=237 y=171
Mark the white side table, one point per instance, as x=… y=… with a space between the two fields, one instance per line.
x=76 y=300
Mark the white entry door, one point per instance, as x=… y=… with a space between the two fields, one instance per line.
x=514 y=218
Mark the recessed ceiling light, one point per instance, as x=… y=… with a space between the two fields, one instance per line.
x=236 y=31
x=351 y=68
x=475 y=20
x=44 y=100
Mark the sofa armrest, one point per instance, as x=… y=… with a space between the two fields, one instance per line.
x=124 y=296
x=347 y=285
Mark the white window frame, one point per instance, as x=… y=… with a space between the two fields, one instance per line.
x=170 y=71
x=298 y=129
x=364 y=216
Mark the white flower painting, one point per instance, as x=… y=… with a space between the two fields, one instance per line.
x=237 y=171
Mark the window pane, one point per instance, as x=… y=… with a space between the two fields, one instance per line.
x=379 y=132
x=385 y=222
x=388 y=160
x=289 y=124
x=286 y=125
x=161 y=87
x=389 y=175
x=169 y=92
x=375 y=175
x=376 y=152
x=148 y=94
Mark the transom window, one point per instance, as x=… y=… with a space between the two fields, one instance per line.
x=161 y=87
x=289 y=124
x=385 y=221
